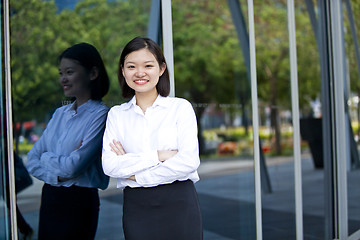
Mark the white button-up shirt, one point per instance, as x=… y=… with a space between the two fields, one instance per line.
x=169 y=124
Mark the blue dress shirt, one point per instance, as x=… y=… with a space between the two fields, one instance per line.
x=69 y=150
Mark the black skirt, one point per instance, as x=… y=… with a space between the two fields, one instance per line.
x=169 y=211
x=68 y=213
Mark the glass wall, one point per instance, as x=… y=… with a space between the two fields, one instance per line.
x=40 y=31
x=210 y=71
x=211 y=68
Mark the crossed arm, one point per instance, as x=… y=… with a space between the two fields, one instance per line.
x=164 y=155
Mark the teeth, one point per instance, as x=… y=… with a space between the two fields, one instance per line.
x=141 y=81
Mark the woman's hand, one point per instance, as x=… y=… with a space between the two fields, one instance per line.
x=166 y=154
x=132 y=178
x=61 y=179
x=117 y=148
x=79 y=145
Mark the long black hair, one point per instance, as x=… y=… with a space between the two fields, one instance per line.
x=138 y=43
x=88 y=57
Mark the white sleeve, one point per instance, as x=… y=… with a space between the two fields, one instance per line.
x=123 y=166
x=185 y=162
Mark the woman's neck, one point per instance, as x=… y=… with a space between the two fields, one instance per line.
x=145 y=100
x=79 y=102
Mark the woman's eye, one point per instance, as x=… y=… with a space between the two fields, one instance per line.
x=149 y=66
x=131 y=66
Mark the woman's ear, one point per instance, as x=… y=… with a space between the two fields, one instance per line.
x=94 y=73
x=162 y=69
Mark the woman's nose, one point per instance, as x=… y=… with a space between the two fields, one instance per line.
x=62 y=78
x=140 y=73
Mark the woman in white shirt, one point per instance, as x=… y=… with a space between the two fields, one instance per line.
x=150 y=145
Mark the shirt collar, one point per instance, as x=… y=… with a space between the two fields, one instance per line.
x=159 y=101
x=87 y=106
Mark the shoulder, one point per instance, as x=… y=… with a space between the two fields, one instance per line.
x=102 y=108
x=61 y=110
x=97 y=106
x=94 y=111
x=119 y=109
x=179 y=102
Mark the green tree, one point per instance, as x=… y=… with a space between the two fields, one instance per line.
x=39 y=34
x=34 y=27
x=208 y=59
x=209 y=66
x=109 y=25
x=206 y=53
x=273 y=66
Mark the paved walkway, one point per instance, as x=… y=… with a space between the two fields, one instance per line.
x=226 y=194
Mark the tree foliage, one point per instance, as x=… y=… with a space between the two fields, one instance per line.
x=209 y=65
x=206 y=51
x=33 y=54
x=39 y=34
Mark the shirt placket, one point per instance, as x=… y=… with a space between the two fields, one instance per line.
x=147 y=131
x=65 y=131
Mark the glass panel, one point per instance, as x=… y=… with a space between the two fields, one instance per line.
x=4 y=196
x=40 y=31
x=273 y=76
x=351 y=19
x=210 y=71
x=309 y=78
x=273 y=72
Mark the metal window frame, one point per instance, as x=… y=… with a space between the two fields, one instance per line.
x=168 y=41
x=340 y=182
x=8 y=110
x=255 y=119
x=295 y=120
x=161 y=19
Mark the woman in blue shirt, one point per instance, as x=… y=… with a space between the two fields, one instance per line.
x=67 y=157
x=150 y=145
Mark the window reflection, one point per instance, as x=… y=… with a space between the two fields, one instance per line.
x=210 y=71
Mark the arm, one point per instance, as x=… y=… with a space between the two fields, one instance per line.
x=117 y=148
x=127 y=164
x=78 y=161
x=33 y=163
x=187 y=159
x=62 y=167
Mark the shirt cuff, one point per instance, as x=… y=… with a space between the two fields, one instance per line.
x=144 y=179
x=51 y=174
x=151 y=156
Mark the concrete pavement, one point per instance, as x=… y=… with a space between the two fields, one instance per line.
x=226 y=194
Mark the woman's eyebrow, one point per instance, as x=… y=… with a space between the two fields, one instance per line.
x=130 y=62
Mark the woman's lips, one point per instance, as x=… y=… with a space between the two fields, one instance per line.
x=141 y=81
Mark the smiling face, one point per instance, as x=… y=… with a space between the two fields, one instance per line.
x=75 y=80
x=142 y=71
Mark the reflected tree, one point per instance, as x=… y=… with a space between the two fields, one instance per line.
x=34 y=47
x=39 y=33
